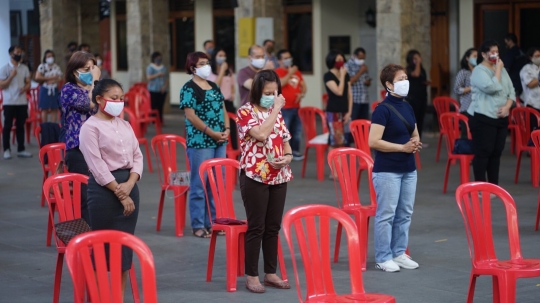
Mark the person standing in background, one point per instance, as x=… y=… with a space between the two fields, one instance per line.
x=417 y=97
x=514 y=60
x=49 y=75
x=84 y=48
x=246 y=74
x=14 y=83
x=360 y=81
x=71 y=49
x=462 y=86
x=529 y=81
x=271 y=60
x=293 y=89
x=99 y=63
x=208 y=47
x=158 y=83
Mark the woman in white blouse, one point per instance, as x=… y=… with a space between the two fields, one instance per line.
x=49 y=75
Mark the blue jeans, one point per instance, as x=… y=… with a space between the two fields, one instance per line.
x=395 y=201
x=294 y=125
x=198 y=210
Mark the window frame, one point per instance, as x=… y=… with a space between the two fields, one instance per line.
x=297 y=9
x=224 y=12
x=173 y=16
x=120 y=19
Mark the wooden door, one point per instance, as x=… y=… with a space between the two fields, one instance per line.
x=440 y=54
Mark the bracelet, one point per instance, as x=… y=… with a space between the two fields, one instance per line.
x=288 y=154
x=205 y=127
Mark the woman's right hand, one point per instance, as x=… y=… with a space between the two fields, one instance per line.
x=96 y=72
x=499 y=64
x=219 y=137
x=410 y=147
x=343 y=71
x=279 y=101
x=129 y=206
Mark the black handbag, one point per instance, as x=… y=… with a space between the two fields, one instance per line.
x=68 y=230
x=463 y=147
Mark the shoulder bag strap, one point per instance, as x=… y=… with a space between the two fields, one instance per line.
x=393 y=109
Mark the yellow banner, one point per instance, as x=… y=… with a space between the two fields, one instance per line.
x=246 y=35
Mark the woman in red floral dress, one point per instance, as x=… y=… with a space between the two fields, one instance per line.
x=265 y=171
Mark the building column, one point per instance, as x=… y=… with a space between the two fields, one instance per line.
x=147 y=32
x=403 y=25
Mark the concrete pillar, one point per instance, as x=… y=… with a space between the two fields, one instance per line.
x=403 y=25
x=204 y=23
x=5 y=37
x=147 y=32
x=89 y=24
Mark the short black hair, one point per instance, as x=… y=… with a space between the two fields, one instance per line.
x=512 y=37
x=281 y=52
x=532 y=50
x=206 y=42
x=331 y=57
x=154 y=56
x=12 y=48
x=484 y=48
x=464 y=63
x=268 y=40
x=359 y=50
x=257 y=87
x=410 y=60
x=72 y=43
x=83 y=45
x=46 y=53
x=103 y=86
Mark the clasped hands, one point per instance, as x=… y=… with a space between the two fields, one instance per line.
x=412 y=146
x=122 y=193
x=281 y=162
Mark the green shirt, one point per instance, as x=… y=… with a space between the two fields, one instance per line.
x=488 y=93
x=208 y=106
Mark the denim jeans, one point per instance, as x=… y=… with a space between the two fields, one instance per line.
x=395 y=201
x=198 y=210
x=294 y=125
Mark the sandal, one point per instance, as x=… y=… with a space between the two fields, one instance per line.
x=220 y=232
x=200 y=233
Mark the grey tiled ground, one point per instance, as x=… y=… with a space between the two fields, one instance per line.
x=437 y=239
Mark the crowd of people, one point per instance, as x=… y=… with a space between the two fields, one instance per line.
x=267 y=126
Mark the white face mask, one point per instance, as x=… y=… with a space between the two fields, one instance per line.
x=204 y=71
x=99 y=62
x=536 y=61
x=258 y=63
x=49 y=60
x=287 y=62
x=401 y=88
x=113 y=107
x=359 y=61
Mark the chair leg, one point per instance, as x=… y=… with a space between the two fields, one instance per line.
x=42 y=193
x=211 y=251
x=519 y=152
x=418 y=163
x=231 y=240
x=58 y=277
x=439 y=144
x=28 y=127
x=512 y=141
x=160 y=210
x=534 y=169
x=537 y=214
x=281 y=261
x=180 y=211
x=496 y=289
x=465 y=171
x=472 y=285
x=134 y=286
x=50 y=223
x=446 y=175
x=338 y=243
x=148 y=158
x=158 y=126
x=241 y=254
x=320 y=163
x=305 y=162
x=507 y=289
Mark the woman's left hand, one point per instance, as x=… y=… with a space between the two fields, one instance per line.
x=123 y=190
x=503 y=112
x=347 y=118
x=281 y=162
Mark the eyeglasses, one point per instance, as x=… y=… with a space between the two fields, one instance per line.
x=203 y=64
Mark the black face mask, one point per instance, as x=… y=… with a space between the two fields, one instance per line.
x=17 y=58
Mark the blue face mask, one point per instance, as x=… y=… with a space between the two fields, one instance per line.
x=267 y=101
x=472 y=61
x=86 y=78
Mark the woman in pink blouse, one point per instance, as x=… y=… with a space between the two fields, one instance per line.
x=115 y=161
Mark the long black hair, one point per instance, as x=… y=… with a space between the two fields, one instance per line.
x=46 y=53
x=213 y=62
x=464 y=61
x=257 y=87
x=410 y=60
x=484 y=48
x=103 y=86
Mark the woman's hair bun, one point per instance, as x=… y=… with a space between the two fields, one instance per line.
x=96 y=82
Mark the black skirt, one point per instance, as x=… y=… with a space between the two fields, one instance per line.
x=106 y=211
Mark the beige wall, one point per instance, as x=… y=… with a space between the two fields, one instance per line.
x=466 y=25
x=204 y=23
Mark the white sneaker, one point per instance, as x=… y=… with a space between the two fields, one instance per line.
x=404 y=261
x=7 y=154
x=388 y=266
x=24 y=154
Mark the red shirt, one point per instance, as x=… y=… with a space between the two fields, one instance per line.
x=293 y=87
x=257 y=155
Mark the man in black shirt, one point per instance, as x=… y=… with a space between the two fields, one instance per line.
x=514 y=60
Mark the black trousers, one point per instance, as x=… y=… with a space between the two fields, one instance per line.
x=229 y=106
x=264 y=209
x=19 y=113
x=158 y=101
x=76 y=164
x=419 y=107
x=489 y=138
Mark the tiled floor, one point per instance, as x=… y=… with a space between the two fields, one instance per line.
x=437 y=239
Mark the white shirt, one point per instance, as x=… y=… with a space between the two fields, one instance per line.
x=12 y=94
x=531 y=96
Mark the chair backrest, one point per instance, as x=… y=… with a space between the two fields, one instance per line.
x=104 y=280
x=308 y=116
x=141 y=90
x=33 y=103
x=360 y=132
x=443 y=105
x=474 y=202
x=346 y=164
x=164 y=147
x=132 y=121
x=221 y=174
x=55 y=153
x=450 y=125
x=535 y=136
x=37 y=134
x=314 y=245
x=374 y=105
x=522 y=118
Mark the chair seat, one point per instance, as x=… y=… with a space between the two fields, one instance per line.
x=461 y=156
x=360 y=208
x=523 y=266
x=371 y=298
x=226 y=228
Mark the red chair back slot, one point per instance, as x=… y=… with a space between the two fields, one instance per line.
x=450 y=125
x=522 y=118
x=360 y=132
x=165 y=149
x=220 y=174
x=308 y=116
x=55 y=153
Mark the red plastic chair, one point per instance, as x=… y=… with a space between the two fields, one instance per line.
x=522 y=117
x=443 y=105
x=55 y=153
x=109 y=288
x=37 y=134
x=474 y=202
x=164 y=148
x=324 y=101
x=142 y=140
x=535 y=135
x=360 y=133
x=222 y=189
x=512 y=127
x=308 y=116
x=140 y=105
x=450 y=125
x=34 y=113
x=346 y=164
x=314 y=244
x=233 y=153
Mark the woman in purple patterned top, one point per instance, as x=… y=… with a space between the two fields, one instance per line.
x=81 y=72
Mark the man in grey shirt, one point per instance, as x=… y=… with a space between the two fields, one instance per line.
x=14 y=83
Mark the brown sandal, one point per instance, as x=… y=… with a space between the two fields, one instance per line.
x=200 y=233
x=258 y=289
x=279 y=285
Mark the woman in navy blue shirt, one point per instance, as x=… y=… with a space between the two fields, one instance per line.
x=394 y=136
